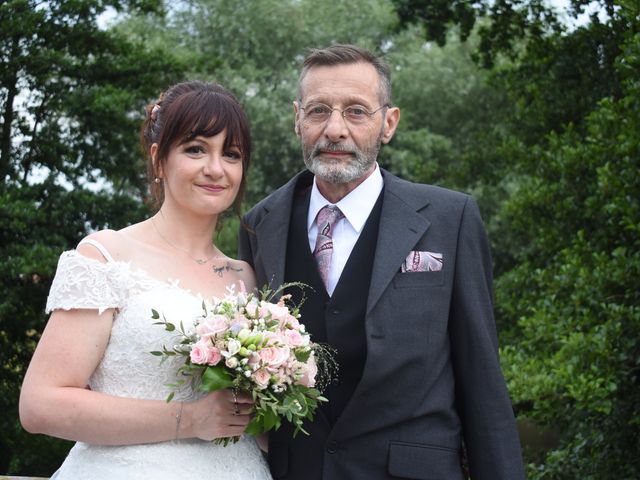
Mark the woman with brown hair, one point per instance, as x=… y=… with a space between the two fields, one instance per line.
x=101 y=333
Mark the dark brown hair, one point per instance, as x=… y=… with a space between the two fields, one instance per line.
x=188 y=110
x=346 y=55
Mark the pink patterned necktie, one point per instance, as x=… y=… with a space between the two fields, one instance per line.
x=327 y=218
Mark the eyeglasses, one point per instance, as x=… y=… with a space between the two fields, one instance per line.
x=318 y=113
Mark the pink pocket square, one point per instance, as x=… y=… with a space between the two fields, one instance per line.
x=422 y=262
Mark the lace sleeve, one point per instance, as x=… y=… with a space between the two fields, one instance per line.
x=82 y=282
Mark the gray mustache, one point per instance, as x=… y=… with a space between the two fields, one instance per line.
x=331 y=147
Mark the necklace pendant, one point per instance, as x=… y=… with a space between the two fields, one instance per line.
x=199 y=261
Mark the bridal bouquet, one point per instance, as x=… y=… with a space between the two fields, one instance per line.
x=247 y=343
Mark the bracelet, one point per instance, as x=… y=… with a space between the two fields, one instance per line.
x=178 y=418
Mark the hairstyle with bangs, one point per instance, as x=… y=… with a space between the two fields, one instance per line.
x=188 y=110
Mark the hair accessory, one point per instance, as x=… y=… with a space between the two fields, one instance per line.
x=154 y=112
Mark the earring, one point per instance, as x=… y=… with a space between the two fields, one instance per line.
x=156 y=180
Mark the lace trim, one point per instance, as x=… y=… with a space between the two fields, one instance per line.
x=82 y=282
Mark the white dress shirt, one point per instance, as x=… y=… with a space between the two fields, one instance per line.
x=356 y=207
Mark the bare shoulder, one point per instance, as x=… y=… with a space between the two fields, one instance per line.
x=244 y=272
x=109 y=242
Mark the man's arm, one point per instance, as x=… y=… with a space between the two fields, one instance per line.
x=245 y=252
x=483 y=403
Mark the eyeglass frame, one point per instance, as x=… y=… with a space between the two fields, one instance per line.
x=342 y=112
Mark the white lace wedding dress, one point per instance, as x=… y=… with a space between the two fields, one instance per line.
x=129 y=370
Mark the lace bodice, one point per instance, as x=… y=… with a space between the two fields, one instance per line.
x=128 y=369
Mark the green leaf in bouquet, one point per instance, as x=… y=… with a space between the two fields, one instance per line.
x=154 y=314
x=270 y=420
x=216 y=378
x=157 y=353
x=254 y=427
x=169 y=327
x=299 y=429
x=302 y=355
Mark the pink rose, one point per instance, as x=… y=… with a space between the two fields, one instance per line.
x=274 y=356
x=214 y=356
x=200 y=352
x=261 y=377
x=295 y=338
x=309 y=372
x=292 y=322
x=212 y=325
x=278 y=312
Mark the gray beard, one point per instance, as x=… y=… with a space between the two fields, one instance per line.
x=340 y=171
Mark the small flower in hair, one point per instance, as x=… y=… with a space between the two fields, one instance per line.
x=154 y=112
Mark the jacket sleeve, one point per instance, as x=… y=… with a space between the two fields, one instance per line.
x=482 y=400
x=244 y=244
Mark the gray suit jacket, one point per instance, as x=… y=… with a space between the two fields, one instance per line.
x=432 y=378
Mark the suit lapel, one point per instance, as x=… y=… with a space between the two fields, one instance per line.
x=401 y=226
x=272 y=231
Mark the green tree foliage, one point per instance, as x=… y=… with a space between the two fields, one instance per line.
x=576 y=361
x=439 y=16
x=255 y=49
x=449 y=110
x=499 y=98
x=71 y=97
x=38 y=224
x=565 y=225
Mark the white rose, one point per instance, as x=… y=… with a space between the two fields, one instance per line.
x=233 y=346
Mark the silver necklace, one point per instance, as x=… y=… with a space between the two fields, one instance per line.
x=199 y=261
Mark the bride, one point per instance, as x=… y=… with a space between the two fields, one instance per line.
x=92 y=378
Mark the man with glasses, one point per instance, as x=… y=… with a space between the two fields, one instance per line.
x=400 y=277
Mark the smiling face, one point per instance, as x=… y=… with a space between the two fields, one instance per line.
x=337 y=151
x=204 y=113
x=202 y=175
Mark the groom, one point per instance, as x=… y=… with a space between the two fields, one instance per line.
x=401 y=287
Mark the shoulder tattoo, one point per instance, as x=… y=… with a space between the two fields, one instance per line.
x=225 y=268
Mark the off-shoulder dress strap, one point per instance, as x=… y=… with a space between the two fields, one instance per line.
x=98 y=246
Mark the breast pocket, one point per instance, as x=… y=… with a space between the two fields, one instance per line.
x=418 y=279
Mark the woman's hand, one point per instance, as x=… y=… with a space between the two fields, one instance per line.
x=220 y=414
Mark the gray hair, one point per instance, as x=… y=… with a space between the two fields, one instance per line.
x=346 y=55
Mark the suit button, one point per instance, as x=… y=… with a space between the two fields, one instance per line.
x=332 y=447
x=335 y=311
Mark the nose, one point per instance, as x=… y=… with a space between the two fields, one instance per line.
x=213 y=166
x=336 y=127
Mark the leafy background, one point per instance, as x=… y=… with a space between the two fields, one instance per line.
x=531 y=107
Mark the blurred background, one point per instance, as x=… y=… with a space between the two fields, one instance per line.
x=532 y=106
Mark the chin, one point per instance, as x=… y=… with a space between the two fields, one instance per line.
x=213 y=210
x=335 y=171
x=340 y=175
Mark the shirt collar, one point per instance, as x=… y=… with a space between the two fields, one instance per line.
x=356 y=206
